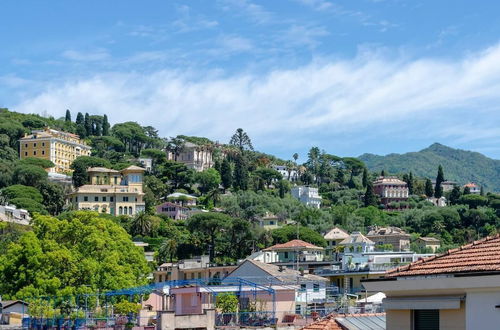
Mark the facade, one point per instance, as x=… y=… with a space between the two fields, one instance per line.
x=333 y=239
x=289 y=174
x=194 y=156
x=59 y=147
x=474 y=188
x=12 y=312
x=390 y=189
x=173 y=211
x=439 y=202
x=446 y=185
x=357 y=243
x=457 y=290
x=296 y=250
x=270 y=221
x=307 y=195
x=428 y=242
x=110 y=191
x=394 y=236
x=182 y=199
x=9 y=213
x=147 y=163
x=188 y=269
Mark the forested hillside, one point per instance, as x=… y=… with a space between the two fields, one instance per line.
x=461 y=165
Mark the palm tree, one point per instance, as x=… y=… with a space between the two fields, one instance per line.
x=167 y=249
x=214 y=196
x=175 y=145
x=241 y=139
x=141 y=224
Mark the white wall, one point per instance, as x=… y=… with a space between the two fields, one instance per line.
x=309 y=294
x=480 y=309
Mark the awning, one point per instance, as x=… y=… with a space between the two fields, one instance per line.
x=430 y=302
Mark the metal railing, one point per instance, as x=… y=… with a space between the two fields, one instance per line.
x=245 y=319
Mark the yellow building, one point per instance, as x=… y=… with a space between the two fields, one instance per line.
x=59 y=147
x=111 y=191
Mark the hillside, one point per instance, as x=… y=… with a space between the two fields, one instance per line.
x=459 y=165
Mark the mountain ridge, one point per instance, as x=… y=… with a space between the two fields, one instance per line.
x=459 y=165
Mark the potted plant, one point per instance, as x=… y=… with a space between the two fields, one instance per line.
x=227 y=303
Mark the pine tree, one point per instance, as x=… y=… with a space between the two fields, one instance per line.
x=88 y=125
x=382 y=173
x=351 y=183
x=429 y=191
x=364 y=181
x=455 y=195
x=80 y=125
x=438 y=190
x=226 y=174
x=105 y=126
x=370 y=197
x=467 y=190
x=68 y=116
x=240 y=174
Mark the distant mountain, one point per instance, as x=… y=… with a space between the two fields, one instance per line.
x=459 y=165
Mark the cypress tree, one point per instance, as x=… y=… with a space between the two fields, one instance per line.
x=68 y=115
x=351 y=184
x=88 y=125
x=364 y=181
x=240 y=174
x=382 y=173
x=370 y=197
x=482 y=191
x=226 y=174
x=105 y=126
x=466 y=191
x=438 y=190
x=455 y=195
x=429 y=191
x=80 y=125
x=410 y=184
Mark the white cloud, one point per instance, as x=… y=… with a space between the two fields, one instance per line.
x=326 y=98
x=254 y=12
x=319 y=5
x=86 y=56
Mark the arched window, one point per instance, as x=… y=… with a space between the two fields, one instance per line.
x=130 y=210
x=120 y=210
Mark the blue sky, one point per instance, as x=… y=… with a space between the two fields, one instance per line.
x=350 y=76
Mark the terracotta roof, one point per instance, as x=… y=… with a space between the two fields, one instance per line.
x=389 y=180
x=336 y=233
x=479 y=256
x=296 y=243
x=374 y=321
x=471 y=185
x=134 y=168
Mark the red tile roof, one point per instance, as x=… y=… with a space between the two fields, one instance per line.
x=296 y=243
x=479 y=256
x=329 y=322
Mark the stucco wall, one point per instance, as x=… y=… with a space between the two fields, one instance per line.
x=452 y=319
x=480 y=310
x=398 y=319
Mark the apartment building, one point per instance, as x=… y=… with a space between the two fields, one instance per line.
x=307 y=195
x=194 y=156
x=110 y=191
x=61 y=148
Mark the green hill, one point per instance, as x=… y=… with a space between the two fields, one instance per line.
x=459 y=165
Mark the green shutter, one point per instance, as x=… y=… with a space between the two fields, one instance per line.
x=426 y=319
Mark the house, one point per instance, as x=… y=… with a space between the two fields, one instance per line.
x=357 y=243
x=333 y=238
x=310 y=289
x=390 y=189
x=197 y=157
x=355 y=267
x=182 y=199
x=439 y=202
x=270 y=221
x=61 y=148
x=394 y=236
x=297 y=250
x=110 y=191
x=173 y=211
x=9 y=213
x=307 y=195
x=473 y=188
x=446 y=185
x=289 y=174
x=428 y=242
x=12 y=312
x=187 y=269
x=146 y=163
x=456 y=290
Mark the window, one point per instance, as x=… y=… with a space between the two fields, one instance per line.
x=34 y=153
x=43 y=144
x=43 y=152
x=34 y=145
x=426 y=319
x=130 y=210
x=96 y=198
x=103 y=198
x=125 y=198
x=316 y=287
x=85 y=198
x=286 y=255
x=26 y=145
x=26 y=153
x=120 y=210
x=303 y=287
x=111 y=199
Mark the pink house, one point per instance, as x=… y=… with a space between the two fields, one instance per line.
x=173 y=211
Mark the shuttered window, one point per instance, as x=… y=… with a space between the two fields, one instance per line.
x=426 y=319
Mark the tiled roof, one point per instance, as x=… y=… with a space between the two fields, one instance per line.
x=380 y=231
x=101 y=169
x=356 y=238
x=336 y=233
x=479 y=256
x=285 y=274
x=471 y=185
x=296 y=243
x=374 y=321
x=134 y=168
x=389 y=180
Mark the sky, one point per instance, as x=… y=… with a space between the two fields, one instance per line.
x=351 y=77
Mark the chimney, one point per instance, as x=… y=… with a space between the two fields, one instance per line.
x=281 y=268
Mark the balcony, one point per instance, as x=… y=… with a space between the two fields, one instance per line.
x=356 y=269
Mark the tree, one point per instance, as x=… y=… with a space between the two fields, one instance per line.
x=80 y=166
x=178 y=175
x=370 y=197
x=43 y=163
x=295 y=157
x=466 y=190
x=438 y=190
x=474 y=201
x=68 y=116
x=168 y=249
x=79 y=253
x=207 y=180
x=365 y=178
x=105 y=125
x=455 y=195
x=267 y=175
x=227 y=302
x=142 y=225
x=288 y=233
x=283 y=188
x=240 y=181
x=209 y=226
x=29 y=175
x=429 y=191
x=176 y=145
x=382 y=173
x=80 y=125
x=241 y=140
x=87 y=125
x=53 y=197
x=226 y=174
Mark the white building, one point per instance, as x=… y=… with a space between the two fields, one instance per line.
x=357 y=243
x=10 y=213
x=307 y=195
x=194 y=156
x=147 y=163
x=289 y=174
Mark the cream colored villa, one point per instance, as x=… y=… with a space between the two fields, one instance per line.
x=59 y=147
x=111 y=191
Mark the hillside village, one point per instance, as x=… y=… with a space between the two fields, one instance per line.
x=202 y=234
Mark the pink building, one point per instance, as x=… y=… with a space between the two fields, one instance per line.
x=173 y=210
